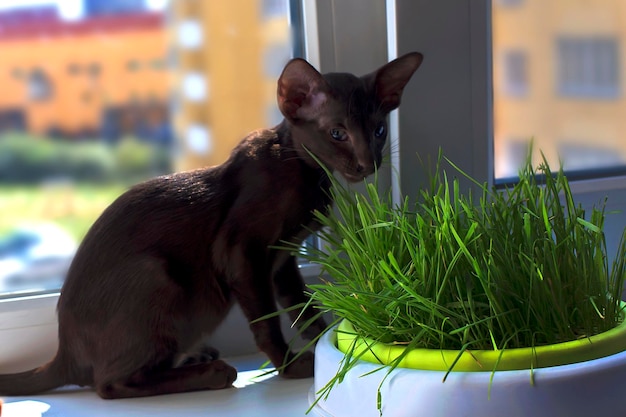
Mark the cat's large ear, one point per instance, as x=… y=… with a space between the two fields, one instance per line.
x=302 y=90
x=390 y=79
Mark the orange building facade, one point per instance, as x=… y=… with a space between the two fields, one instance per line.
x=64 y=76
x=229 y=55
x=560 y=78
x=205 y=69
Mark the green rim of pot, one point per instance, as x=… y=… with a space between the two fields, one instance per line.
x=604 y=344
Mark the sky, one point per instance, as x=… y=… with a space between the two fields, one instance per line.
x=69 y=9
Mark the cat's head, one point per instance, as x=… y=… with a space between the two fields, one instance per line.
x=341 y=118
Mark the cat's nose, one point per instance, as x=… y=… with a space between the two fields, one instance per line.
x=363 y=170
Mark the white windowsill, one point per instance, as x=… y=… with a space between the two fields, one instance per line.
x=270 y=396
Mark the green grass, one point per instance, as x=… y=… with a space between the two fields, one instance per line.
x=520 y=267
x=73 y=207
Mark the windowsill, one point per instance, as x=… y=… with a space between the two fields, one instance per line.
x=268 y=395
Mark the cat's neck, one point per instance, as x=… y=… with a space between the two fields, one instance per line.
x=294 y=149
x=293 y=140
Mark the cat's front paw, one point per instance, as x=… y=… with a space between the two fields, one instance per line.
x=219 y=374
x=301 y=367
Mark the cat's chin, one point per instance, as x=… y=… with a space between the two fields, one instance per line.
x=353 y=178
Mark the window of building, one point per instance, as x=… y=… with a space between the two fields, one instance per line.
x=133 y=65
x=588 y=67
x=583 y=155
x=73 y=68
x=274 y=59
x=17 y=73
x=40 y=86
x=509 y=3
x=274 y=8
x=515 y=73
x=158 y=64
x=94 y=69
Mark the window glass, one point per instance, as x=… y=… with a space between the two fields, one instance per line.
x=100 y=94
x=559 y=69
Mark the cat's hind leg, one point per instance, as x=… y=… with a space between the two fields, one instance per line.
x=134 y=353
x=215 y=374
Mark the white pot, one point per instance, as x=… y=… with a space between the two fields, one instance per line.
x=587 y=389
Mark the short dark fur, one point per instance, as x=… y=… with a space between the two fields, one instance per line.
x=164 y=264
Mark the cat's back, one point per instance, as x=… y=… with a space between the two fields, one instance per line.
x=262 y=179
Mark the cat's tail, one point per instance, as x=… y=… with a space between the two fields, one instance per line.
x=37 y=380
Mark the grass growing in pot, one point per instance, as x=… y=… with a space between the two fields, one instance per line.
x=519 y=267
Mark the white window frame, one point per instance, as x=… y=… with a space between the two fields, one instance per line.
x=446 y=105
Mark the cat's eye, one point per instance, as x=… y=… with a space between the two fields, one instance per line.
x=381 y=131
x=338 y=134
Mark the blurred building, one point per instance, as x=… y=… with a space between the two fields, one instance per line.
x=210 y=66
x=560 y=78
x=104 y=75
x=228 y=56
